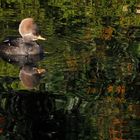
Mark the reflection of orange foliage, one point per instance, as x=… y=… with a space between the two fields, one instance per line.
x=118 y=89
x=91 y=90
x=110 y=88
x=129 y=67
x=107 y=33
x=118 y=139
x=116 y=130
x=92 y=80
x=116 y=121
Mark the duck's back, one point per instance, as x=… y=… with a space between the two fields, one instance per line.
x=19 y=47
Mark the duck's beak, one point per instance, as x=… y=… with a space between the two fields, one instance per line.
x=41 y=38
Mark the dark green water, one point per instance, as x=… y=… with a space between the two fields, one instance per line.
x=89 y=88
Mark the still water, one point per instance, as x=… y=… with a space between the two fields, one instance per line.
x=86 y=85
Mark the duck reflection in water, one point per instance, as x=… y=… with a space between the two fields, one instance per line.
x=30 y=76
x=26 y=45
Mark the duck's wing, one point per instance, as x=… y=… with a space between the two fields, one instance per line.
x=10 y=46
x=12 y=41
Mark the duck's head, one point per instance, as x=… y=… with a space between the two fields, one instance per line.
x=29 y=31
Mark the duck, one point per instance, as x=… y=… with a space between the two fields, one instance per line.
x=26 y=44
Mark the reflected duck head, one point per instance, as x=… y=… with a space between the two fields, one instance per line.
x=29 y=30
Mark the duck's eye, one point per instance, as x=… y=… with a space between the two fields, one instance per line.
x=35 y=30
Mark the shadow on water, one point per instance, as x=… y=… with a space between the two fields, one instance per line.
x=29 y=115
x=86 y=86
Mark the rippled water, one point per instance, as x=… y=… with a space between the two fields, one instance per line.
x=88 y=82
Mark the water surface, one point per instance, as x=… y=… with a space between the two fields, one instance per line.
x=88 y=88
